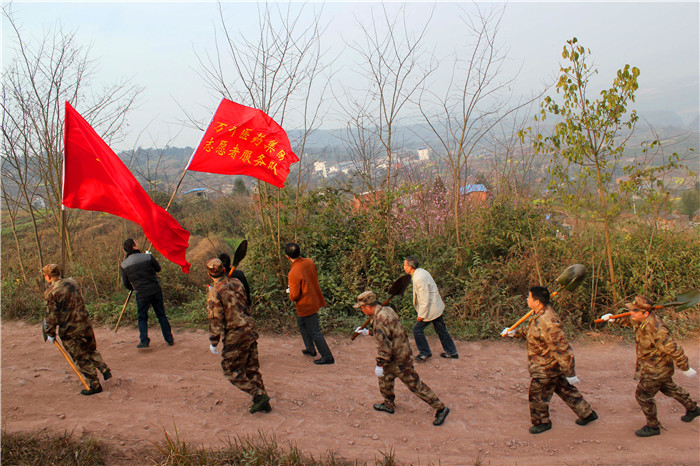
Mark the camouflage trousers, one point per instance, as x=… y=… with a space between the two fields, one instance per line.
x=241 y=366
x=646 y=390
x=541 y=391
x=408 y=375
x=84 y=352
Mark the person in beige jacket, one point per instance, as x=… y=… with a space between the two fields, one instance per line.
x=305 y=291
x=429 y=307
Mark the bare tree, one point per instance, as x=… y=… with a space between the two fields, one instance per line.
x=392 y=67
x=41 y=75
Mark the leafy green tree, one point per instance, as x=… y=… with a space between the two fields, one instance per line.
x=588 y=139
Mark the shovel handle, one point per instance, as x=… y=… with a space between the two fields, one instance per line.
x=617 y=316
x=520 y=321
x=75 y=369
x=355 y=334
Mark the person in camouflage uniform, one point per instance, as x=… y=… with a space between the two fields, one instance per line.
x=65 y=309
x=657 y=352
x=230 y=322
x=394 y=358
x=551 y=364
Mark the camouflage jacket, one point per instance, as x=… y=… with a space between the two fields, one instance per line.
x=391 y=337
x=65 y=308
x=548 y=352
x=657 y=351
x=227 y=310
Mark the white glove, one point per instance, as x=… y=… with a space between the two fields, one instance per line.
x=690 y=372
x=50 y=339
x=573 y=380
x=510 y=333
x=213 y=349
x=606 y=317
x=287 y=291
x=379 y=371
x=148 y=252
x=362 y=331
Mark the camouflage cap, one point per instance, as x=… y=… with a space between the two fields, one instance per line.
x=640 y=304
x=215 y=268
x=366 y=298
x=51 y=270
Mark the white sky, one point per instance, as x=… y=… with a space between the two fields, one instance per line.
x=156 y=45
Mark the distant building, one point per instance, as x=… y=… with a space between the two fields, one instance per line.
x=474 y=193
x=423 y=155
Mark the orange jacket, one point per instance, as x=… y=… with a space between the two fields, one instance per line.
x=304 y=289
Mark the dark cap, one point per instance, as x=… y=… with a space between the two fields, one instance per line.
x=640 y=304
x=52 y=270
x=366 y=298
x=215 y=268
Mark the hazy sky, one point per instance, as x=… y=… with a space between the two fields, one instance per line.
x=157 y=45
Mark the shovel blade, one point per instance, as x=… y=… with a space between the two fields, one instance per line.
x=572 y=277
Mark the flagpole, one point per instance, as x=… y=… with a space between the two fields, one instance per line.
x=63 y=240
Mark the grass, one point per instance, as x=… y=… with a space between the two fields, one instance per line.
x=42 y=448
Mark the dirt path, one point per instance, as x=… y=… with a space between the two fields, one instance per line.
x=330 y=407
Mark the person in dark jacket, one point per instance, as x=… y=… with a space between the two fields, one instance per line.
x=226 y=261
x=138 y=273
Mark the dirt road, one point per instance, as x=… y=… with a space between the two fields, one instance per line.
x=330 y=407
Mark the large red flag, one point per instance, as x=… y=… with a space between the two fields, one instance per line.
x=94 y=178
x=244 y=141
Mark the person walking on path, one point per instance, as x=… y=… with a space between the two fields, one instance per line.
x=138 y=273
x=657 y=352
x=394 y=358
x=429 y=307
x=305 y=291
x=65 y=309
x=231 y=323
x=551 y=364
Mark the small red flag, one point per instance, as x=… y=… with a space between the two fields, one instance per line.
x=244 y=141
x=94 y=178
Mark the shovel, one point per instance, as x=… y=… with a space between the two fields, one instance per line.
x=238 y=256
x=397 y=288
x=684 y=301
x=569 y=280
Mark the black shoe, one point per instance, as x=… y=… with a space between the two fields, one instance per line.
x=690 y=415
x=383 y=407
x=259 y=402
x=324 y=361
x=539 y=428
x=266 y=408
x=441 y=415
x=588 y=419
x=170 y=342
x=423 y=357
x=449 y=356
x=647 y=431
x=309 y=353
x=107 y=374
x=143 y=344
x=92 y=391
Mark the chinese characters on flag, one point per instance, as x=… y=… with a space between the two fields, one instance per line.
x=244 y=141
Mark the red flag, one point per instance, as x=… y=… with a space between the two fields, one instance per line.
x=244 y=141
x=94 y=178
